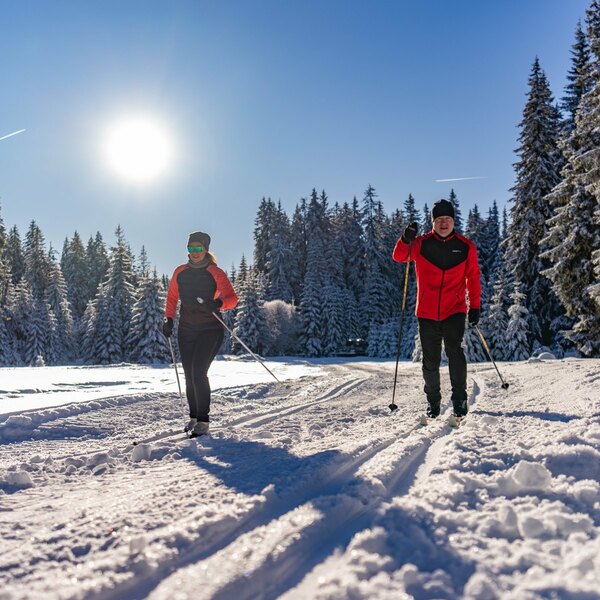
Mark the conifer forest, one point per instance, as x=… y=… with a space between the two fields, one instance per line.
x=324 y=274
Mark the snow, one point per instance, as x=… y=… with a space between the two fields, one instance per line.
x=309 y=488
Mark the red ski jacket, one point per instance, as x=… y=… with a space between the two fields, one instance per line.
x=446 y=269
x=188 y=284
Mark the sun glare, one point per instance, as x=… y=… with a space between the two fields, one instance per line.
x=139 y=149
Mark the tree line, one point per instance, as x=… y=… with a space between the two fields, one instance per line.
x=325 y=274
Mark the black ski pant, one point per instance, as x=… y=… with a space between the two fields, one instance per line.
x=451 y=331
x=198 y=347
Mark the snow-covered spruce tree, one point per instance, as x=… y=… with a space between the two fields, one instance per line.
x=573 y=236
x=64 y=342
x=37 y=262
x=517 y=330
x=426 y=224
x=338 y=305
x=85 y=332
x=298 y=245
x=495 y=320
x=97 y=262
x=278 y=259
x=34 y=324
x=13 y=254
x=76 y=272
x=146 y=341
x=350 y=246
x=536 y=175
x=250 y=324
x=409 y=321
x=378 y=294
x=474 y=350
x=263 y=226
x=489 y=252
x=579 y=78
x=312 y=302
x=8 y=355
x=114 y=303
x=142 y=266
x=458 y=222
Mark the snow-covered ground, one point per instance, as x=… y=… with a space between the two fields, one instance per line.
x=308 y=488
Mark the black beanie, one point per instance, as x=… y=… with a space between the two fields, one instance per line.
x=201 y=237
x=442 y=208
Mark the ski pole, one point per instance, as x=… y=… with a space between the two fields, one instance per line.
x=177 y=375
x=393 y=406
x=504 y=385
x=201 y=301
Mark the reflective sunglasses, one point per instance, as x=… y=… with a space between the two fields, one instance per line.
x=195 y=249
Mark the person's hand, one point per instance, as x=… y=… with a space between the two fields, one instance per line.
x=410 y=233
x=210 y=305
x=168 y=327
x=474 y=314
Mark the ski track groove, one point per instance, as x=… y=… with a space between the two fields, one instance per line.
x=322 y=536
x=270 y=416
x=264 y=417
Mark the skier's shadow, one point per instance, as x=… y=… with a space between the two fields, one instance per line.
x=249 y=466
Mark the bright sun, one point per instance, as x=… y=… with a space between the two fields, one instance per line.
x=139 y=149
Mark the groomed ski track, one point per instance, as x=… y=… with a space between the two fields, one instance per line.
x=267 y=544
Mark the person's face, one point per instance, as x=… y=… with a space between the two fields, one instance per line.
x=443 y=226
x=196 y=251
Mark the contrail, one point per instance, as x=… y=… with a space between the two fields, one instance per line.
x=458 y=179
x=11 y=134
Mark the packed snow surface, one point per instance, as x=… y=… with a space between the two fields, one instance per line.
x=308 y=488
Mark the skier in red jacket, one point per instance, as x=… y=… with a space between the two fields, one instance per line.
x=199 y=334
x=447 y=278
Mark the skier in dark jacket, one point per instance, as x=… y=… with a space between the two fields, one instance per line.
x=199 y=334
x=447 y=275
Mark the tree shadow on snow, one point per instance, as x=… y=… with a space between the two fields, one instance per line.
x=413 y=537
x=250 y=466
x=542 y=415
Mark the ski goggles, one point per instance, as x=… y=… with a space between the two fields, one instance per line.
x=195 y=249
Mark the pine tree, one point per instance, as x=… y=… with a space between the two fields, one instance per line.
x=114 y=303
x=572 y=237
x=298 y=246
x=63 y=339
x=537 y=174
x=264 y=222
x=278 y=258
x=36 y=261
x=75 y=270
x=250 y=324
x=495 y=320
x=517 y=330
x=378 y=294
x=426 y=220
x=145 y=338
x=474 y=350
x=97 y=262
x=579 y=77
x=350 y=246
x=312 y=302
x=458 y=224
x=13 y=254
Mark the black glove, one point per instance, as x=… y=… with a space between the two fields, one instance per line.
x=168 y=327
x=410 y=233
x=474 y=314
x=210 y=305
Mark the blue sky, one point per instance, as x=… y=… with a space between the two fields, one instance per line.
x=264 y=98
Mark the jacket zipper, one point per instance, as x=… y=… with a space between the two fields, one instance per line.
x=440 y=296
